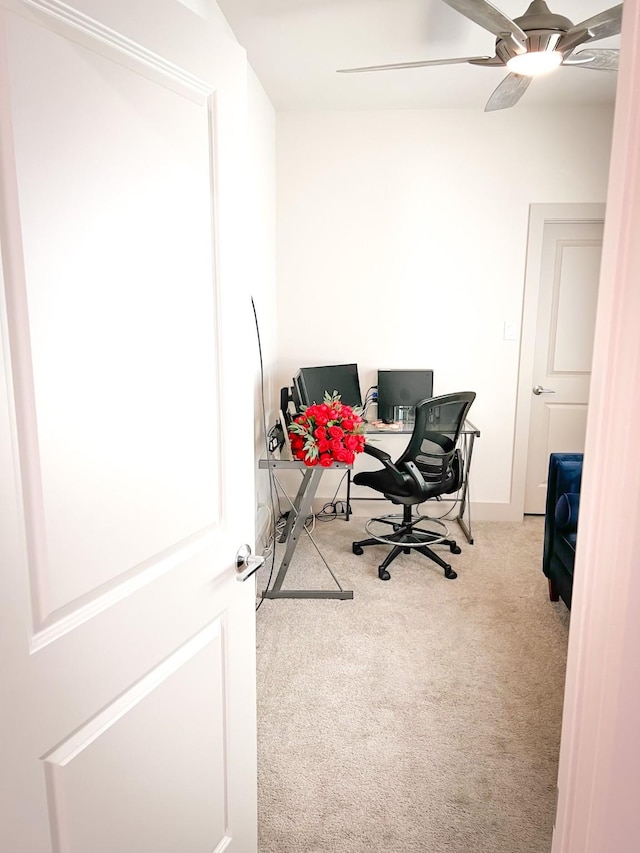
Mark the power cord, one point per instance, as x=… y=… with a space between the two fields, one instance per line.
x=333 y=508
x=266 y=445
x=309 y=523
x=370 y=397
x=441 y=498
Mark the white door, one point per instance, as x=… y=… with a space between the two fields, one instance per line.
x=127 y=645
x=569 y=274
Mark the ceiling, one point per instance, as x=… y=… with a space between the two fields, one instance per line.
x=295 y=47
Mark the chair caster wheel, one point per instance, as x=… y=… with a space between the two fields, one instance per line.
x=450 y=574
x=455 y=549
x=383 y=574
x=357 y=549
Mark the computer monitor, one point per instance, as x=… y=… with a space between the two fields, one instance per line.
x=286 y=398
x=311 y=383
x=402 y=388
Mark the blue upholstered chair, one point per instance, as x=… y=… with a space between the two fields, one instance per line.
x=561 y=523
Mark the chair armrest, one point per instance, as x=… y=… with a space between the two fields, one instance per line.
x=383 y=456
x=380 y=455
x=567 y=511
x=416 y=476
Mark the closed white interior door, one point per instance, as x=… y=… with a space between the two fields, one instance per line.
x=569 y=275
x=128 y=668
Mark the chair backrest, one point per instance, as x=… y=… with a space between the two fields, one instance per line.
x=432 y=446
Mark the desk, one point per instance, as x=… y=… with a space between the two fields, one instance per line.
x=295 y=525
x=468 y=435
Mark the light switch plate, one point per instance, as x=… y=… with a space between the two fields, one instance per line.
x=510 y=331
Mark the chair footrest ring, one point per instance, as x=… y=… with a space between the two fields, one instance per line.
x=393 y=530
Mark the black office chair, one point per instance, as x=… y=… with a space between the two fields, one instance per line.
x=431 y=466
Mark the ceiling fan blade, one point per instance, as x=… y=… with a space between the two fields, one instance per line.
x=508 y=92
x=490 y=18
x=479 y=60
x=603 y=25
x=599 y=59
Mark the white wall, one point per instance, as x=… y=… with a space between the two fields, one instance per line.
x=402 y=240
x=261 y=249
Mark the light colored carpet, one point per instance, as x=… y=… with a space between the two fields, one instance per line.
x=421 y=717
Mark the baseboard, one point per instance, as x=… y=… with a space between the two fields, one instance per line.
x=480 y=511
x=362 y=508
x=484 y=511
x=264 y=532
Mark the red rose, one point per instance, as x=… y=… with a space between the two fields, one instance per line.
x=351 y=442
x=323 y=445
x=335 y=444
x=321 y=419
x=348 y=424
x=320 y=432
x=336 y=432
x=296 y=442
x=299 y=454
x=325 y=460
x=343 y=454
x=350 y=456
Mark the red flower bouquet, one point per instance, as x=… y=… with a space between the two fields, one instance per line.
x=327 y=432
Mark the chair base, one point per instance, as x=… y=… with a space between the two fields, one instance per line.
x=408 y=534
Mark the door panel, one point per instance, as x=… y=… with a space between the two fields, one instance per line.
x=172 y=773
x=128 y=643
x=573 y=317
x=569 y=275
x=565 y=425
x=119 y=391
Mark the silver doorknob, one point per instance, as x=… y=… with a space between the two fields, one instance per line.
x=538 y=389
x=246 y=564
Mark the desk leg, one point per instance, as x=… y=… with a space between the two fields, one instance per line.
x=302 y=503
x=348 y=511
x=465 y=490
x=294 y=512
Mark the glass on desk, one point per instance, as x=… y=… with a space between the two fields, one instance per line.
x=404 y=415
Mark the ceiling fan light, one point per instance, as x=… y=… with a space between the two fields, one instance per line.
x=535 y=62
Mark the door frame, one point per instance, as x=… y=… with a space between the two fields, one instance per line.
x=539 y=216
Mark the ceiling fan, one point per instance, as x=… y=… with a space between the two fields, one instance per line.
x=532 y=44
